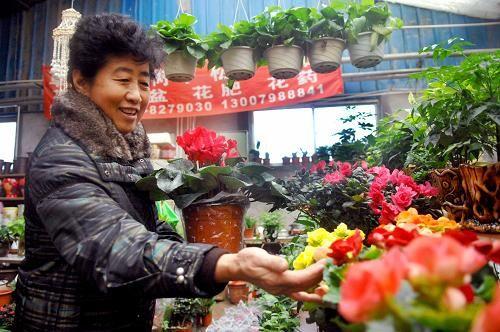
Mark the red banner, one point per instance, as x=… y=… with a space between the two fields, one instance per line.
x=208 y=93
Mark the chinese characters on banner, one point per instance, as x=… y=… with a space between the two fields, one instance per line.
x=208 y=93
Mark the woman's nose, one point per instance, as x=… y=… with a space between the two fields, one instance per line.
x=134 y=95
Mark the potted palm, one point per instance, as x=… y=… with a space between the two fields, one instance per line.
x=282 y=35
x=233 y=48
x=183 y=46
x=327 y=39
x=213 y=187
x=368 y=25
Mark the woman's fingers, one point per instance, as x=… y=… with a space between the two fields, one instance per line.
x=306 y=297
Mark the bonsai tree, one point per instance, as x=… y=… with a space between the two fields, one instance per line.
x=272 y=223
x=179 y=35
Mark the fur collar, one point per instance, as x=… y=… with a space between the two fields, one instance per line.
x=83 y=121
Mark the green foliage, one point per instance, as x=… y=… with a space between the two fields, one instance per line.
x=250 y=222
x=278 y=314
x=276 y=26
x=5 y=234
x=323 y=153
x=349 y=148
x=179 y=35
x=272 y=223
x=329 y=22
x=183 y=183
x=16 y=228
x=293 y=249
x=367 y=16
x=242 y=33
x=461 y=106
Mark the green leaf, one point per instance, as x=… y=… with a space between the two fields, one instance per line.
x=232 y=183
x=487 y=288
x=197 y=52
x=215 y=170
x=182 y=201
x=495 y=118
x=185 y=19
x=476 y=112
x=370 y=253
x=253 y=169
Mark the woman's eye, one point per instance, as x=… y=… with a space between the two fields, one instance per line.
x=124 y=80
x=145 y=84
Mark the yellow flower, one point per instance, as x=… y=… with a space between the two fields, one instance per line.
x=342 y=232
x=316 y=237
x=305 y=258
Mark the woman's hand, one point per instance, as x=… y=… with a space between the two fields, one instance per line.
x=269 y=272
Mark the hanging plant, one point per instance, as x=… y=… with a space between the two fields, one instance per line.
x=234 y=49
x=282 y=35
x=183 y=46
x=327 y=36
x=368 y=25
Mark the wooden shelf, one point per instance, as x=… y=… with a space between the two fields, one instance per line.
x=11 y=199
x=12 y=175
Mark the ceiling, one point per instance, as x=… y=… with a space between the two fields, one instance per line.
x=489 y=9
x=10 y=7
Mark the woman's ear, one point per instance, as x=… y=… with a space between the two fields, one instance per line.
x=80 y=84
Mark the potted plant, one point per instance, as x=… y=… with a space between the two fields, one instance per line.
x=213 y=187
x=305 y=159
x=254 y=154
x=237 y=291
x=295 y=159
x=266 y=161
x=203 y=310
x=250 y=224
x=16 y=229
x=233 y=48
x=7 y=316
x=327 y=38
x=183 y=46
x=460 y=110
x=282 y=35
x=286 y=160
x=272 y=223
x=5 y=240
x=368 y=25
x=180 y=316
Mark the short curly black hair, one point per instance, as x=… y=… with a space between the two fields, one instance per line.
x=99 y=36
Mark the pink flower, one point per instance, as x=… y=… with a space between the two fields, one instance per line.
x=488 y=320
x=403 y=197
x=369 y=285
x=388 y=214
x=345 y=168
x=380 y=171
x=427 y=189
x=454 y=299
x=318 y=167
x=364 y=165
x=399 y=178
x=441 y=260
x=334 y=177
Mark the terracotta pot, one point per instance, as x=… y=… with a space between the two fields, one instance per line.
x=207 y=320
x=221 y=225
x=451 y=194
x=5 y=296
x=295 y=161
x=305 y=161
x=248 y=233
x=482 y=193
x=286 y=160
x=237 y=291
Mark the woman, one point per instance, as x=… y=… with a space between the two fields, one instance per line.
x=96 y=257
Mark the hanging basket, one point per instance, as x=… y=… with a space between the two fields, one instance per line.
x=239 y=62
x=180 y=67
x=482 y=192
x=451 y=195
x=217 y=224
x=361 y=54
x=284 y=61
x=325 y=54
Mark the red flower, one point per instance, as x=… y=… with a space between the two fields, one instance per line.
x=427 y=189
x=319 y=167
x=377 y=197
x=388 y=214
x=488 y=320
x=344 y=250
x=386 y=239
x=334 y=177
x=345 y=168
x=204 y=146
x=468 y=292
x=465 y=237
x=403 y=197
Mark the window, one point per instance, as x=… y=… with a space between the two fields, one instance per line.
x=284 y=131
x=8 y=140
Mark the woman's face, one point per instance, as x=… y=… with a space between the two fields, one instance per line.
x=121 y=90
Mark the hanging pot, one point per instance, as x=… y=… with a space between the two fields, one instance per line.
x=451 y=194
x=284 y=61
x=220 y=225
x=361 y=54
x=239 y=62
x=482 y=192
x=325 y=54
x=180 y=67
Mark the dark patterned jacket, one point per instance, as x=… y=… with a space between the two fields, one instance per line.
x=96 y=258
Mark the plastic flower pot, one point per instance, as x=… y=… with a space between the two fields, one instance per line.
x=239 y=62
x=325 y=54
x=180 y=67
x=5 y=296
x=221 y=225
x=361 y=54
x=248 y=233
x=207 y=320
x=284 y=61
x=237 y=291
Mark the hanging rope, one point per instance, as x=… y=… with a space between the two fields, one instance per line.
x=238 y=4
x=179 y=9
x=279 y=3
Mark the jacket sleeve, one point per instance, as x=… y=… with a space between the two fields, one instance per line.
x=102 y=241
